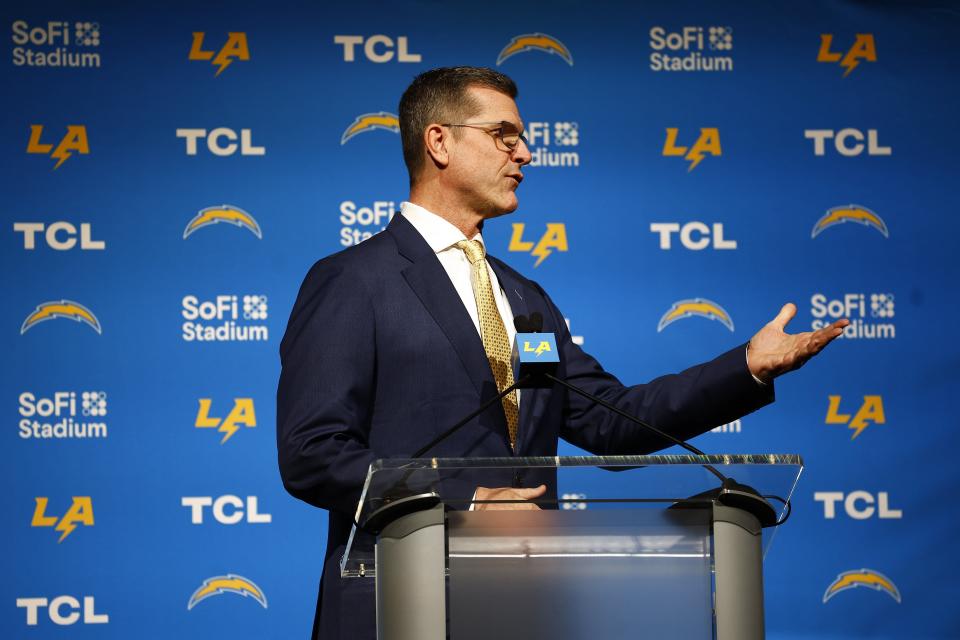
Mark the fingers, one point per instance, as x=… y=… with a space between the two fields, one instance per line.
x=786 y=315
x=528 y=494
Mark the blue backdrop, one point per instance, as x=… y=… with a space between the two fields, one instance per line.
x=173 y=170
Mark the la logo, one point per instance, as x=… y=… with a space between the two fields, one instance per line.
x=74 y=140
x=864 y=48
x=707 y=143
x=554 y=238
x=80 y=512
x=242 y=414
x=871 y=411
x=235 y=49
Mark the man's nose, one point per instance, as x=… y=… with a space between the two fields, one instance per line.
x=521 y=153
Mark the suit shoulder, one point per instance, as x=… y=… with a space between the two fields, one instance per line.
x=355 y=260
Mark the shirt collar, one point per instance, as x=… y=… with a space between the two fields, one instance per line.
x=437 y=231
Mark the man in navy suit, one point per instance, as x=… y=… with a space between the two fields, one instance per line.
x=383 y=350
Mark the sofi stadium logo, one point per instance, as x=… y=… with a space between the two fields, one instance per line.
x=870 y=314
x=691 y=49
x=553 y=239
x=225 y=318
x=552 y=143
x=228 y=584
x=56 y=44
x=362 y=221
x=855 y=213
x=706 y=144
x=74 y=140
x=536 y=42
x=862 y=578
x=863 y=49
x=695 y=307
x=235 y=48
x=367 y=122
x=63 y=414
x=61 y=309
x=223 y=213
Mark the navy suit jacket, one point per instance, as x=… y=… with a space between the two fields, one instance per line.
x=380 y=356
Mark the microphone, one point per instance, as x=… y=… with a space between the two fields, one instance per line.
x=536 y=359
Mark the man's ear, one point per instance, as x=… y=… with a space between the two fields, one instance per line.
x=436 y=138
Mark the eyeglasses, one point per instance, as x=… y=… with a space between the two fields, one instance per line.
x=506 y=132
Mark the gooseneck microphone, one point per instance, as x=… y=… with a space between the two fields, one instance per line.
x=536 y=359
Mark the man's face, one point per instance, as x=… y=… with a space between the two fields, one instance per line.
x=484 y=173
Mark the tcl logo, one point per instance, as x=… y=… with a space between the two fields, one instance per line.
x=62 y=610
x=60 y=236
x=859 y=505
x=841 y=141
x=378 y=48
x=693 y=235
x=226 y=509
x=216 y=147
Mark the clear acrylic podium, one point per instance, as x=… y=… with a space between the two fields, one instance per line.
x=667 y=546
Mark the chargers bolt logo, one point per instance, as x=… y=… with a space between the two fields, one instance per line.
x=230 y=583
x=695 y=307
x=61 y=309
x=224 y=213
x=862 y=578
x=369 y=122
x=535 y=42
x=850 y=213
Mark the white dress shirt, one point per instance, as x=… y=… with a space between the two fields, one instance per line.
x=442 y=238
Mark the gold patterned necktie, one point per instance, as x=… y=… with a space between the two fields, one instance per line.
x=494 y=335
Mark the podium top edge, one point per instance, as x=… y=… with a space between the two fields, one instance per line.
x=771 y=459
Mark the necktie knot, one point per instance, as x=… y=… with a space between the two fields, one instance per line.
x=473 y=249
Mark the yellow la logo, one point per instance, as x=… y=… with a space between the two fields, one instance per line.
x=864 y=48
x=540 y=348
x=554 y=238
x=74 y=140
x=871 y=411
x=80 y=512
x=708 y=142
x=235 y=49
x=241 y=414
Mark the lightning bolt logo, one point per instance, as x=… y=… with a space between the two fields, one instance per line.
x=369 y=122
x=542 y=252
x=862 y=578
x=850 y=213
x=65 y=527
x=849 y=63
x=61 y=309
x=535 y=42
x=230 y=583
x=61 y=154
x=695 y=156
x=224 y=213
x=695 y=307
x=543 y=346
x=227 y=428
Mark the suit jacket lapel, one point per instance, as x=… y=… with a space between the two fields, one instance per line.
x=432 y=285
